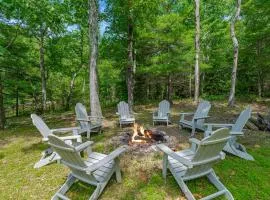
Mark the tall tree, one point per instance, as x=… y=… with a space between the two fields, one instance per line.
x=130 y=67
x=93 y=38
x=197 y=51
x=235 y=53
x=2 y=109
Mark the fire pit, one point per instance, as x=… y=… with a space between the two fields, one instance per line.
x=141 y=135
x=142 y=140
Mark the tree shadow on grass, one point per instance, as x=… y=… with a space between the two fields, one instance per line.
x=34 y=147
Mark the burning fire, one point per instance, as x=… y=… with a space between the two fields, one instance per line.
x=140 y=135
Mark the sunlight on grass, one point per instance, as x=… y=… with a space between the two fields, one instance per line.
x=21 y=147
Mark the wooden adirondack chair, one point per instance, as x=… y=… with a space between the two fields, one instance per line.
x=236 y=129
x=163 y=113
x=48 y=156
x=88 y=123
x=96 y=170
x=125 y=117
x=197 y=162
x=198 y=119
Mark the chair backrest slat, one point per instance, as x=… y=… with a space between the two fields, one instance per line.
x=71 y=158
x=208 y=151
x=81 y=113
x=67 y=152
x=164 y=108
x=123 y=109
x=41 y=125
x=202 y=111
x=242 y=120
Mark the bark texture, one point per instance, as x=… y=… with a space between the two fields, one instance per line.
x=235 y=53
x=42 y=73
x=2 y=109
x=93 y=37
x=130 y=67
x=197 y=51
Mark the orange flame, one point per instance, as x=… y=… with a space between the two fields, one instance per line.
x=141 y=132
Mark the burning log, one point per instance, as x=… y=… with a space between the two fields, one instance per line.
x=140 y=135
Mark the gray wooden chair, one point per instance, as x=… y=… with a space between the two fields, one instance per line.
x=197 y=162
x=96 y=170
x=90 y=124
x=48 y=156
x=236 y=129
x=163 y=113
x=125 y=117
x=198 y=119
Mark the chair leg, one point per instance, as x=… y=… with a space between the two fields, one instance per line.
x=117 y=171
x=60 y=194
x=47 y=159
x=193 y=131
x=212 y=177
x=231 y=148
x=88 y=135
x=164 y=167
x=98 y=191
x=185 y=189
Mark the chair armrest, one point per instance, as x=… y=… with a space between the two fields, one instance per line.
x=95 y=117
x=186 y=113
x=204 y=117
x=175 y=156
x=83 y=146
x=218 y=125
x=83 y=120
x=107 y=159
x=182 y=115
x=195 y=141
x=64 y=130
x=236 y=133
x=72 y=137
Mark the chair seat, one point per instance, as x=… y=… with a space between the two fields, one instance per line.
x=186 y=122
x=128 y=119
x=177 y=167
x=103 y=171
x=156 y=117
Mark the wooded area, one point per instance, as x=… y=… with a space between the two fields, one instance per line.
x=140 y=51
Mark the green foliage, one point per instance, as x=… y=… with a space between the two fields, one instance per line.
x=163 y=47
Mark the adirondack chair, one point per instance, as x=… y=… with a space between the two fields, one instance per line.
x=125 y=117
x=236 y=129
x=197 y=162
x=96 y=170
x=163 y=112
x=198 y=119
x=48 y=156
x=90 y=124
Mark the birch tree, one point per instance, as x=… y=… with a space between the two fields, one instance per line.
x=93 y=38
x=197 y=51
x=235 y=53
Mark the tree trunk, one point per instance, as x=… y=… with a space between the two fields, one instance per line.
x=2 y=109
x=71 y=87
x=130 y=68
x=235 y=54
x=17 y=101
x=169 y=88
x=197 y=51
x=93 y=37
x=42 y=73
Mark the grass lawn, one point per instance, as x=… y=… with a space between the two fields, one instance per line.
x=21 y=146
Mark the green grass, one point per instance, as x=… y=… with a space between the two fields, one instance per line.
x=20 y=148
